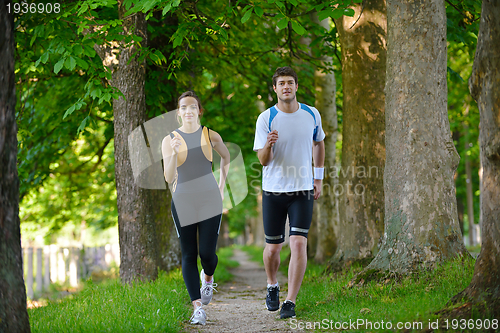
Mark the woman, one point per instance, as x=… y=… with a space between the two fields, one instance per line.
x=196 y=197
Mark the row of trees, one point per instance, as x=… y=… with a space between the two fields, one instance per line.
x=99 y=52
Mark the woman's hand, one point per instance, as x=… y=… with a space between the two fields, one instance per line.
x=175 y=143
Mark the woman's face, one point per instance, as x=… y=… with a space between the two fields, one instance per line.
x=189 y=110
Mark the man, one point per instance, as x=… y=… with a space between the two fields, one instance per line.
x=288 y=136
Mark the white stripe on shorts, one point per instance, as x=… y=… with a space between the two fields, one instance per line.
x=305 y=231
x=274 y=237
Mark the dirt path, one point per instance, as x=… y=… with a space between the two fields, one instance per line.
x=239 y=306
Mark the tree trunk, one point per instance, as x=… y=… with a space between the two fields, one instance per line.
x=136 y=225
x=13 y=314
x=484 y=84
x=361 y=205
x=468 y=187
x=460 y=205
x=327 y=222
x=168 y=245
x=421 y=223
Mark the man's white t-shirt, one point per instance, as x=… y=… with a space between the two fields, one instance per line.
x=291 y=167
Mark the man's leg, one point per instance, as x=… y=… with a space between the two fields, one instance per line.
x=297 y=266
x=272 y=261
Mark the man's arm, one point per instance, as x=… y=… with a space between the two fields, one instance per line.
x=319 y=162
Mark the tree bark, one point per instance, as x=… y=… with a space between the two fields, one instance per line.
x=13 y=314
x=363 y=41
x=168 y=245
x=327 y=218
x=136 y=224
x=421 y=223
x=468 y=186
x=460 y=205
x=484 y=84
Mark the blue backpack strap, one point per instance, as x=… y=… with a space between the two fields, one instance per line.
x=272 y=113
x=308 y=109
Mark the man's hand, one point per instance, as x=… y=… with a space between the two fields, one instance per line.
x=272 y=137
x=318 y=183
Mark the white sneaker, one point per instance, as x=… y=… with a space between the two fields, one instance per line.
x=207 y=289
x=199 y=316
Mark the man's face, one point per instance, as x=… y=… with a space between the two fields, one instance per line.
x=285 y=88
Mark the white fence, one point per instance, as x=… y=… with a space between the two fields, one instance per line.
x=51 y=264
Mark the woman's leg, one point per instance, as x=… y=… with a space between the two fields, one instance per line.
x=189 y=249
x=208 y=236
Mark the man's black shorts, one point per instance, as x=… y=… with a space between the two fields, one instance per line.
x=275 y=208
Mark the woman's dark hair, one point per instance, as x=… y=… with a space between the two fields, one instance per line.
x=284 y=71
x=191 y=93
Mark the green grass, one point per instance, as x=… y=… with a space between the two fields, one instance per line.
x=410 y=300
x=328 y=299
x=159 y=306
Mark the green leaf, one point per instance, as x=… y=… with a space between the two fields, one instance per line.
x=69 y=111
x=59 y=65
x=283 y=23
x=247 y=15
x=324 y=14
x=279 y=4
x=70 y=63
x=178 y=40
x=89 y=51
x=96 y=93
x=298 y=28
x=337 y=13
x=259 y=11
x=320 y=7
x=127 y=4
x=82 y=63
x=349 y=12
x=454 y=76
x=45 y=57
x=293 y=2
x=82 y=126
x=166 y=9
x=77 y=49
x=83 y=9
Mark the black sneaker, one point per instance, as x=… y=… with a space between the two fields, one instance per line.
x=273 y=298
x=287 y=310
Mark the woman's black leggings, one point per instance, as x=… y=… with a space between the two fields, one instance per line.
x=208 y=232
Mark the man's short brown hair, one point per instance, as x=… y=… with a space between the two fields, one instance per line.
x=284 y=71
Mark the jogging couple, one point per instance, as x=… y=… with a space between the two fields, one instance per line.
x=288 y=138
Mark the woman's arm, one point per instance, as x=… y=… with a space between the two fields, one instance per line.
x=169 y=159
x=222 y=150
